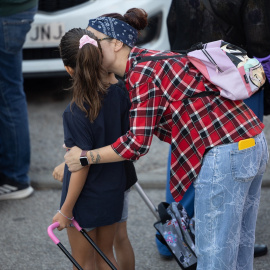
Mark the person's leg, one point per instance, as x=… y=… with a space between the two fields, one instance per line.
x=81 y=249
x=122 y=246
x=123 y=249
x=256 y=104
x=14 y=132
x=221 y=198
x=247 y=236
x=104 y=239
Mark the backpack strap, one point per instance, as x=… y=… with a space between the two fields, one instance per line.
x=194 y=47
x=155 y=58
x=206 y=94
x=182 y=53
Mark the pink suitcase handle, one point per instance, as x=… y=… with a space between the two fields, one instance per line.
x=51 y=234
x=56 y=225
x=77 y=226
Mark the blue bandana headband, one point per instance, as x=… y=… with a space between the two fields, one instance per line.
x=115 y=28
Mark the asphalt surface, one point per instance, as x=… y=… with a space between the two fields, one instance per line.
x=24 y=243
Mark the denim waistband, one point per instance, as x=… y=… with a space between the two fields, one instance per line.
x=233 y=146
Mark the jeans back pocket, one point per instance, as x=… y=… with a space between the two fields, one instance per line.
x=245 y=164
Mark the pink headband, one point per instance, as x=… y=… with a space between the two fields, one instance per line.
x=86 y=39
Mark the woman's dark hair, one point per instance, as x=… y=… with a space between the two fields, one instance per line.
x=88 y=86
x=135 y=17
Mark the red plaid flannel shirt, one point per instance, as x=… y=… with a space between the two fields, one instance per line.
x=162 y=104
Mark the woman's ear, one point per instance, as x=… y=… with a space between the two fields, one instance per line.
x=118 y=45
x=69 y=70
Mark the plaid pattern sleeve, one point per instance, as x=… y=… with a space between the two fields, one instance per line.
x=145 y=113
x=162 y=99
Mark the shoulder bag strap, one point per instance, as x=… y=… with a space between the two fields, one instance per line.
x=155 y=58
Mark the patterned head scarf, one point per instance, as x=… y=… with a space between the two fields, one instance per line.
x=115 y=28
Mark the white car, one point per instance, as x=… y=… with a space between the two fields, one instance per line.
x=55 y=17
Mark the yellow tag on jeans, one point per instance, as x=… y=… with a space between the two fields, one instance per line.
x=244 y=144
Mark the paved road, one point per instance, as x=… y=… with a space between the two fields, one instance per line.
x=26 y=246
x=24 y=243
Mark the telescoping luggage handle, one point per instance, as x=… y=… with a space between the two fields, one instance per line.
x=59 y=244
x=148 y=202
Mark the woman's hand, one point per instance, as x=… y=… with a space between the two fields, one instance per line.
x=63 y=220
x=72 y=159
x=58 y=172
x=104 y=154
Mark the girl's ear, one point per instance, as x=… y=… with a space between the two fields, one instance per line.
x=69 y=70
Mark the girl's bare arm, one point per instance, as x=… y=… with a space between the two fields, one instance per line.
x=76 y=184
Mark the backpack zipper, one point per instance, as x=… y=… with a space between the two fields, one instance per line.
x=209 y=57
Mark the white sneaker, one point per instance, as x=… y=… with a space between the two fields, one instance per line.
x=11 y=190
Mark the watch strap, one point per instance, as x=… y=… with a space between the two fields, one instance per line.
x=84 y=153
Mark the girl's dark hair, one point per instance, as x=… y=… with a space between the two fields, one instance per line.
x=135 y=17
x=88 y=86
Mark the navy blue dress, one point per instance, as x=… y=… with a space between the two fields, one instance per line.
x=101 y=200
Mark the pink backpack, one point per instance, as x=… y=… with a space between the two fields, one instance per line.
x=225 y=65
x=229 y=68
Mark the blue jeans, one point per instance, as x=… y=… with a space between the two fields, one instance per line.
x=227 y=196
x=188 y=199
x=255 y=102
x=14 y=129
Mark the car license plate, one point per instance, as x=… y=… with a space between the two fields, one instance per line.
x=45 y=34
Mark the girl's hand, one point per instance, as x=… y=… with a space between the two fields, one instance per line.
x=72 y=159
x=63 y=221
x=58 y=172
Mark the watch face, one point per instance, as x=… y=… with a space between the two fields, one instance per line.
x=84 y=161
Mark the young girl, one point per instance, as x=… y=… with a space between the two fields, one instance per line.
x=97 y=115
x=218 y=144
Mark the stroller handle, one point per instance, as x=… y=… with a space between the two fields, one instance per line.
x=56 y=225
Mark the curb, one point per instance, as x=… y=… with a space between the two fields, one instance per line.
x=147 y=181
